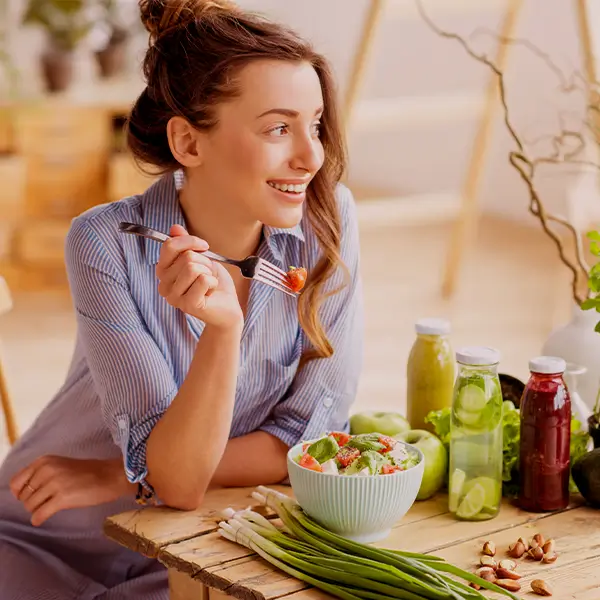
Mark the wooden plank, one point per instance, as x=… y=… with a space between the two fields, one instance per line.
x=309 y=594
x=208 y=558
x=448 y=531
x=250 y=578
x=577 y=536
x=146 y=530
x=211 y=549
x=182 y=587
x=574 y=576
x=579 y=581
x=217 y=595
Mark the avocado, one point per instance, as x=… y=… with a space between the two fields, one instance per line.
x=586 y=475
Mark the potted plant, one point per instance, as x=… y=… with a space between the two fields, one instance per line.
x=67 y=24
x=111 y=58
x=569 y=144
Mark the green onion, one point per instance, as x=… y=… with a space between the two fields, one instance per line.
x=304 y=549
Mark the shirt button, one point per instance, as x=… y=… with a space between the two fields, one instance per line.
x=327 y=402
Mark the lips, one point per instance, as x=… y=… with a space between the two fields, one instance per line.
x=290 y=188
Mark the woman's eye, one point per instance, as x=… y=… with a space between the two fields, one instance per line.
x=279 y=131
x=317 y=128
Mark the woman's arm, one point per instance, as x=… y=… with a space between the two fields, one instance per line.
x=171 y=438
x=257 y=458
x=186 y=445
x=77 y=483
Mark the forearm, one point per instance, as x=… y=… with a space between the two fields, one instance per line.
x=186 y=445
x=258 y=458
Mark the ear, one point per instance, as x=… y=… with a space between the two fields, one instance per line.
x=184 y=141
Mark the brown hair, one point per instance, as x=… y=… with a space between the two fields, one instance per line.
x=196 y=47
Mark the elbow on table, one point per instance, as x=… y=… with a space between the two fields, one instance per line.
x=183 y=499
x=180 y=492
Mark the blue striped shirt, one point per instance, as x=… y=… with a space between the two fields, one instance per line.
x=138 y=348
x=132 y=353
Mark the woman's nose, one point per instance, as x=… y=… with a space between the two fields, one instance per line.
x=308 y=154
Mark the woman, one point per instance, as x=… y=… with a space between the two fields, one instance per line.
x=185 y=375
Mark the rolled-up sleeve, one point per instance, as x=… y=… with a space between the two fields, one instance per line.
x=131 y=376
x=322 y=393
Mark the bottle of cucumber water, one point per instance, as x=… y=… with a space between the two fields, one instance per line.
x=475 y=479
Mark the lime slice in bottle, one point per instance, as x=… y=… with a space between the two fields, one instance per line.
x=491 y=490
x=472 y=398
x=455 y=487
x=472 y=503
x=466 y=417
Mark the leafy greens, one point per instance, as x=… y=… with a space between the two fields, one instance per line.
x=511 y=433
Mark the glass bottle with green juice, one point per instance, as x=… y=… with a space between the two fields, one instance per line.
x=475 y=474
x=429 y=372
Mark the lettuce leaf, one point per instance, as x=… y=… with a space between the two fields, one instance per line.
x=511 y=436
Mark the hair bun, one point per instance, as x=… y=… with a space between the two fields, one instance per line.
x=162 y=16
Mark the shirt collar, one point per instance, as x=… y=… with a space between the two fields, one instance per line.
x=161 y=209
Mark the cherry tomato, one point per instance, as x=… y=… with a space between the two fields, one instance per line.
x=296 y=278
x=388 y=469
x=346 y=455
x=340 y=437
x=310 y=462
x=388 y=442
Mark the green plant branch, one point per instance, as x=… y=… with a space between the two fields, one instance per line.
x=524 y=164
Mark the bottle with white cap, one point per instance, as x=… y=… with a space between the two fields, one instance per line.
x=429 y=372
x=544 y=465
x=475 y=476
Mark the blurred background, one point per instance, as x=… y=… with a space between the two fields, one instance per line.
x=445 y=223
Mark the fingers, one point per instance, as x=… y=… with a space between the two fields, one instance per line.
x=39 y=497
x=184 y=261
x=177 y=230
x=34 y=487
x=17 y=483
x=55 y=504
x=171 y=249
x=31 y=477
x=188 y=276
x=200 y=290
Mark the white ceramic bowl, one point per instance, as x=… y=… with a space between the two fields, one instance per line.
x=359 y=508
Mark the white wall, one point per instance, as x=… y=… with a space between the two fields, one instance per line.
x=410 y=60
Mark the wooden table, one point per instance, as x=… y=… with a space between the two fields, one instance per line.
x=204 y=566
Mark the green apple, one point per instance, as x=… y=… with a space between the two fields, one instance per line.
x=386 y=423
x=436 y=460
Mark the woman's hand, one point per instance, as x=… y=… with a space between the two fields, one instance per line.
x=194 y=284
x=54 y=483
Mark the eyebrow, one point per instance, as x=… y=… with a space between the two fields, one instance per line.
x=287 y=112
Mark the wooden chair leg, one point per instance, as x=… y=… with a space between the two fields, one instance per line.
x=9 y=415
x=466 y=225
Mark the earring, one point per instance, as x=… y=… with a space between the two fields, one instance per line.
x=179 y=178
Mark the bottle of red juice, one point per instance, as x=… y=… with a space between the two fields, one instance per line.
x=545 y=437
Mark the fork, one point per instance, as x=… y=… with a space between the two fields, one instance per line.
x=251 y=267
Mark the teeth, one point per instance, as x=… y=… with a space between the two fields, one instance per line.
x=284 y=187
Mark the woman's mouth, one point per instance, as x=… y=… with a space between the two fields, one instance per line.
x=293 y=189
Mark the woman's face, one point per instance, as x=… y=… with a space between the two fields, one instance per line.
x=265 y=149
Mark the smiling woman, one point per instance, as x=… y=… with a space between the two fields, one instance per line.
x=186 y=375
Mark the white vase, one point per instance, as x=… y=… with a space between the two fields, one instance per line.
x=579 y=408
x=578 y=343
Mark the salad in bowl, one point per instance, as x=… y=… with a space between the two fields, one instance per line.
x=358 y=486
x=339 y=453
